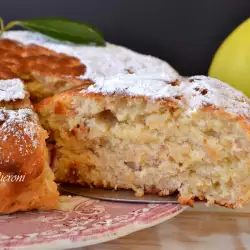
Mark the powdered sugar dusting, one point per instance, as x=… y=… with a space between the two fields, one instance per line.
x=100 y=61
x=196 y=92
x=155 y=86
x=11 y=90
x=201 y=91
x=21 y=127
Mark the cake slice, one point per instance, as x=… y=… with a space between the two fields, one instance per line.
x=26 y=180
x=153 y=135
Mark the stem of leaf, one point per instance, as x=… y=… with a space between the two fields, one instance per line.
x=8 y=26
x=1 y=26
x=11 y=25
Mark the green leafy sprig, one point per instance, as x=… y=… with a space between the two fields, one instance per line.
x=60 y=29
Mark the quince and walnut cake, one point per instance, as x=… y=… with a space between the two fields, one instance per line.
x=119 y=119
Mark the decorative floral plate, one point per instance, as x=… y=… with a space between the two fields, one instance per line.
x=80 y=222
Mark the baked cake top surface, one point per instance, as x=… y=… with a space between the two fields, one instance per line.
x=11 y=90
x=18 y=59
x=194 y=92
x=99 y=61
x=115 y=69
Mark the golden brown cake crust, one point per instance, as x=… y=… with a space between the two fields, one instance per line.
x=21 y=59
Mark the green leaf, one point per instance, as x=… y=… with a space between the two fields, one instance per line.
x=65 y=30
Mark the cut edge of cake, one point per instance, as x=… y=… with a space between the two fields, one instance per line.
x=153 y=136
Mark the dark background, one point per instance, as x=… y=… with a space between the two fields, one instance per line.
x=186 y=33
